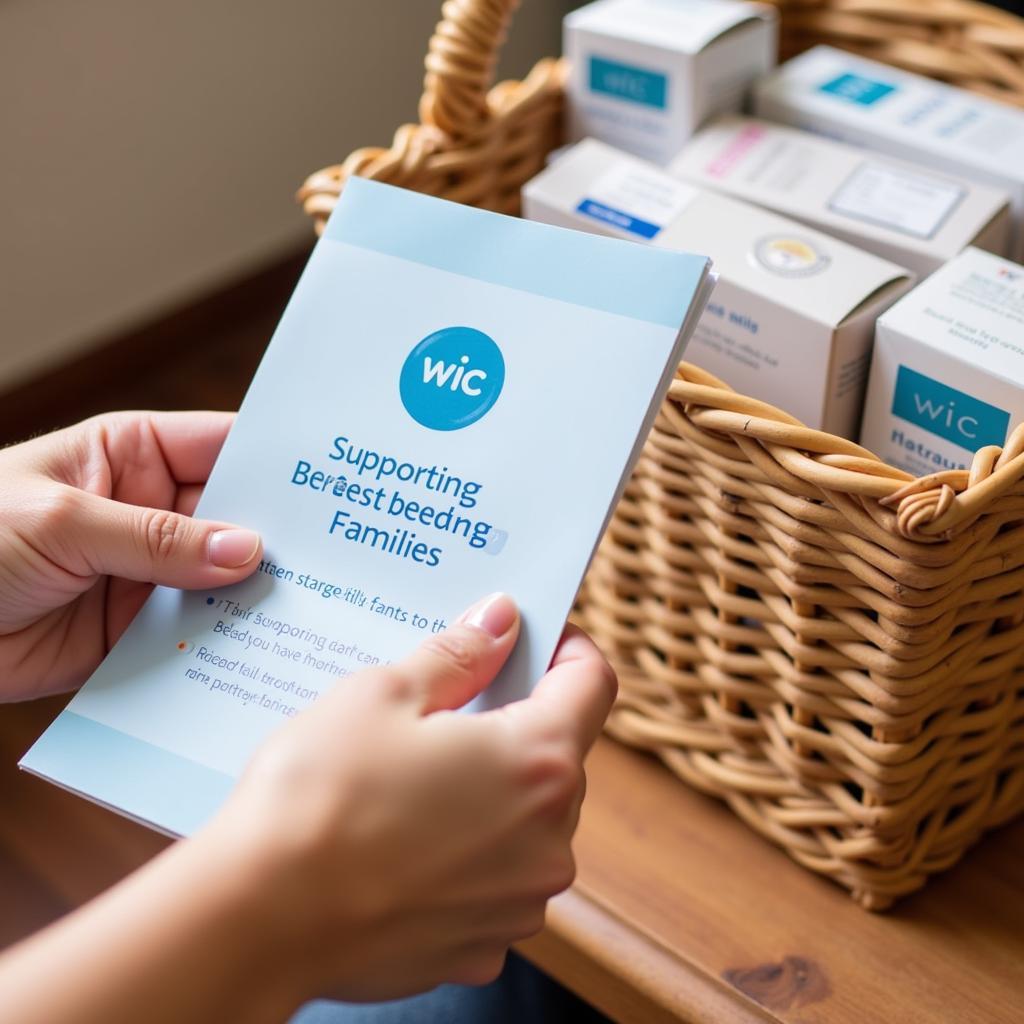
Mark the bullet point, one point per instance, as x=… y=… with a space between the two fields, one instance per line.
x=210 y=600
x=182 y=645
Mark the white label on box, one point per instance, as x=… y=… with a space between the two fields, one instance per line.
x=897 y=198
x=632 y=199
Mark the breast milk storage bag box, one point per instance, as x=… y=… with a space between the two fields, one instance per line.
x=947 y=377
x=791 y=319
x=943 y=128
x=645 y=73
x=916 y=218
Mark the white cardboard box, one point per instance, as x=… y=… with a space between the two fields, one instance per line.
x=943 y=128
x=897 y=210
x=645 y=73
x=792 y=317
x=947 y=377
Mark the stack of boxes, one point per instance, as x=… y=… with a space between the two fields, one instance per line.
x=893 y=112
x=892 y=208
x=852 y=183
x=793 y=313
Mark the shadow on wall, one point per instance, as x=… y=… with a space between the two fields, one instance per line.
x=151 y=150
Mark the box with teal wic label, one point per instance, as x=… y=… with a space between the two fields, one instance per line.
x=449 y=407
x=644 y=74
x=947 y=375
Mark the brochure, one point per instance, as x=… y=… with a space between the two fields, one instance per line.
x=449 y=407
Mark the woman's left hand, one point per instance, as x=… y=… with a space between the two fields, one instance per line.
x=90 y=518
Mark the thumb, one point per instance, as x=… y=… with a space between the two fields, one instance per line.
x=157 y=546
x=451 y=668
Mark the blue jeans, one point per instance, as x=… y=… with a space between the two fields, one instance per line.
x=521 y=995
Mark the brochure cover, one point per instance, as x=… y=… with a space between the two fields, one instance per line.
x=449 y=407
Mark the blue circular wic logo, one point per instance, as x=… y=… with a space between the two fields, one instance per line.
x=452 y=378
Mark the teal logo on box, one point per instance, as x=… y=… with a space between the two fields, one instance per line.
x=857 y=89
x=948 y=413
x=625 y=82
x=452 y=378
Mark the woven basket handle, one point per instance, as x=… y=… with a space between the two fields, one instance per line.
x=460 y=63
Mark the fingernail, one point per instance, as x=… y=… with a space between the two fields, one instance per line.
x=230 y=549
x=495 y=615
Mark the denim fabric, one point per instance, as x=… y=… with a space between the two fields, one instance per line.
x=522 y=995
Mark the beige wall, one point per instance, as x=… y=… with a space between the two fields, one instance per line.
x=150 y=148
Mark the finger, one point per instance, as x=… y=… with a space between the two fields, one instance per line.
x=187 y=498
x=100 y=536
x=188 y=441
x=453 y=667
x=575 y=695
x=191 y=441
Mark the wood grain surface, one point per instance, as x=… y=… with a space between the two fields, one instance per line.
x=680 y=907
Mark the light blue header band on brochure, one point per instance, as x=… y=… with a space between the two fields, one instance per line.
x=146 y=782
x=653 y=285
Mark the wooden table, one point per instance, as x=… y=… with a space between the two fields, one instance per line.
x=681 y=913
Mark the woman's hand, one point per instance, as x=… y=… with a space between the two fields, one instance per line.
x=378 y=845
x=90 y=518
x=400 y=845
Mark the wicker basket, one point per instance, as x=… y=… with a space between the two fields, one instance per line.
x=829 y=645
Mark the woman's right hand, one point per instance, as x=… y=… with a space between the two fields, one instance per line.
x=391 y=844
x=378 y=845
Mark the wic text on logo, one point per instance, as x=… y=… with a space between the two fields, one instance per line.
x=948 y=413
x=461 y=376
x=452 y=378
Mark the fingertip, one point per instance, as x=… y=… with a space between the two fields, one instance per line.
x=234 y=548
x=578 y=692
x=497 y=615
x=455 y=665
x=576 y=645
x=573 y=644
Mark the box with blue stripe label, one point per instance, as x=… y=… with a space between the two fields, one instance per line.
x=902 y=212
x=791 y=319
x=644 y=74
x=889 y=111
x=947 y=376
